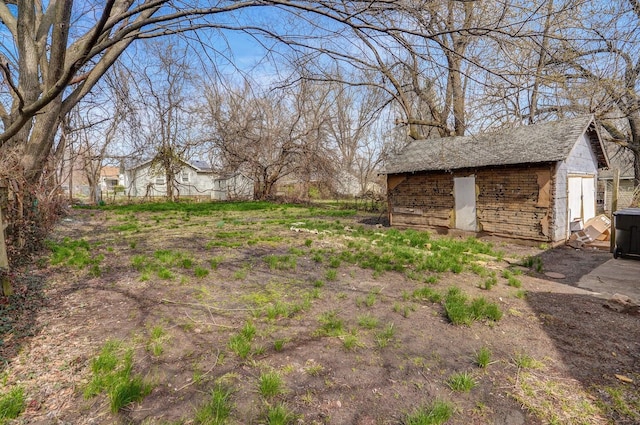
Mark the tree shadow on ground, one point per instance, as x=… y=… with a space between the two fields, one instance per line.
x=570 y=262
x=597 y=346
x=18 y=314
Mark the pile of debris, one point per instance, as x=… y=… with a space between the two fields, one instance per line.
x=596 y=233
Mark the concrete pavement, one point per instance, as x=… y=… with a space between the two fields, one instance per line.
x=621 y=276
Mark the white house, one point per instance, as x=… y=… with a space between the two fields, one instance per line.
x=231 y=187
x=195 y=179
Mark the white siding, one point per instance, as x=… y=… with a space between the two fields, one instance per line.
x=233 y=187
x=560 y=205
x=140 y=183
x=581 y=161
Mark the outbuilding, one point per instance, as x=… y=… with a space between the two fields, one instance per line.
x=530 y=182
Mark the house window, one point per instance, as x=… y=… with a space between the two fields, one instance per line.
x=185 y=177
x=159 y=180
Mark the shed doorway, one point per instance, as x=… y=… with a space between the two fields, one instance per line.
x=581 y=198
x=464 y=192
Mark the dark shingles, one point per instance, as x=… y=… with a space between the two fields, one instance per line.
x=546 y=142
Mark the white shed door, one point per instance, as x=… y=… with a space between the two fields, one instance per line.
x=588 y=198
x=464 y=192
x=582 y=198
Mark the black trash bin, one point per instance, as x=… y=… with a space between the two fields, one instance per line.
x=627 y=225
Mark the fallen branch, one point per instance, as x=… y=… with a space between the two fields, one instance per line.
x=207 y=323
x=209 y=307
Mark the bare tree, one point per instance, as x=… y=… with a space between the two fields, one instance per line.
x=161 y=99
x=600 y=64
x=90 y=130
x=267 y=135
x=353 y=112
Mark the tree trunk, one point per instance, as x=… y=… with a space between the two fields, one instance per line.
x=4 y=260
x=634 y=144
x=457 y=92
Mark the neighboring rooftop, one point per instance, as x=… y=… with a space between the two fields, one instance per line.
x=201 y=165
x=198 y=165
x=538 y=143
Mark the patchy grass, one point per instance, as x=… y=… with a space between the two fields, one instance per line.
x=461 y=312
x=270 y=384
x=76 y=254
x=279 y=414
x=267 y=308
x=330 y=324
x=217 y=409
x=556 y=401
x=483 y=357
x=112 y=374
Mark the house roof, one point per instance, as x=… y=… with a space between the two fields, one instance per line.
x=539 y=143
x=200 y=166
x=110 y=171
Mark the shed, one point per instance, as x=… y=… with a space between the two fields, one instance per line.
x=529 y=182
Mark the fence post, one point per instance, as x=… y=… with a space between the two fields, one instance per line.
x=614 y=207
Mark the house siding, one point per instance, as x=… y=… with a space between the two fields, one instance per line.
x=626 y=190
x=233 y=188
x=141 y=183
x=560 y=212
x=581 y=159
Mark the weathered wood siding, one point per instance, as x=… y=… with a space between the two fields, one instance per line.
x=516 y=202
x=421 y=200
x=511 y=201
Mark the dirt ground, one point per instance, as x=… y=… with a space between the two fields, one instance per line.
x=585 y=365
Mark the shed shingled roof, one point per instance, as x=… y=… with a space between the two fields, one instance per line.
x=538 y=143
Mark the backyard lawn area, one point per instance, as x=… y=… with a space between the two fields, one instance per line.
x=265 y=313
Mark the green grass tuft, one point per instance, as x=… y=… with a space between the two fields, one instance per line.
x=201 y=272
x=427 y=293
x=112 y=373
x=460 y=312
x=279 y=415
x=217 y=409
x=461 y=382
x=331 y=324
x=436 y=413
x=270 y=384
x=11 y=404
x=367 y=321
x=383 y=337
x=483 y=357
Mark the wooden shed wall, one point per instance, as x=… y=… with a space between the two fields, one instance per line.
x=515 y=202
x=421 y=200
x=510 y=201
